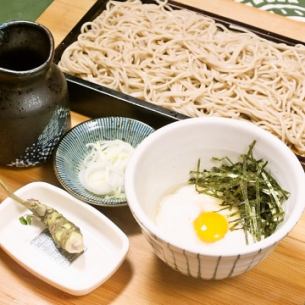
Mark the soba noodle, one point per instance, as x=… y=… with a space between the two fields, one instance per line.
x=187 y=62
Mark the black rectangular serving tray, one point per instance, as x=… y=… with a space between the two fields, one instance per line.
x=97 y=101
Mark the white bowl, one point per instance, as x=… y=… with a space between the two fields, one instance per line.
x=163 y=160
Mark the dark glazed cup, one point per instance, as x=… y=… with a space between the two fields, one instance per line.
x=34 y=111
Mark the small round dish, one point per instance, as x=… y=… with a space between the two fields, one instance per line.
x=71 y=151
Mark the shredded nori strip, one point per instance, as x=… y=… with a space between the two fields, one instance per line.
x=247 y=186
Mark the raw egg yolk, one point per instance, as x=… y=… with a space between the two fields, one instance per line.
x=210 y=226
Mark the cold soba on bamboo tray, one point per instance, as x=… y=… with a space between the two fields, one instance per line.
x=187 y=62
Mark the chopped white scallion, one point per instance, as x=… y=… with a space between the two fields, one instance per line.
x=103 y=169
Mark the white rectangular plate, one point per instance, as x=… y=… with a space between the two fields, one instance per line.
x=31 y=246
